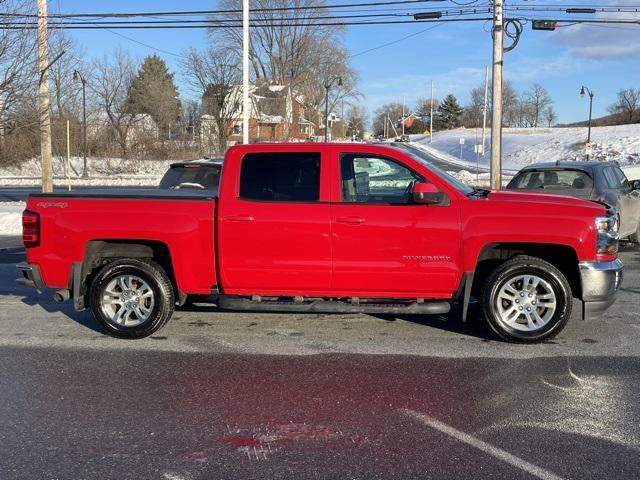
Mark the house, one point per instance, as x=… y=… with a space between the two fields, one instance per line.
x=278 y=114
x=137 y=126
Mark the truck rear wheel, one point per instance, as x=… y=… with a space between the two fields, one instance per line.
x=131 y=298
x=526 y=300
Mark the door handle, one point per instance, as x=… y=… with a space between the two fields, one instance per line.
x=240 y=218
x=350 y=220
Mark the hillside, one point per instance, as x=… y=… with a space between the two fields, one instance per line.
x=522 y=146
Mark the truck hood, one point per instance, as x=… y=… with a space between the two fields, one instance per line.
x=513 y=196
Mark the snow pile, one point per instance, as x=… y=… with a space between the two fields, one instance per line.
x=102 y=171
x=523 y=146
x=11 y=218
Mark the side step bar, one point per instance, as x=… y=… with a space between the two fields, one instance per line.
x=230 y=302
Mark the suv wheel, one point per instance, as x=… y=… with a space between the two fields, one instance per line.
x=131 y=298
x=526 y=300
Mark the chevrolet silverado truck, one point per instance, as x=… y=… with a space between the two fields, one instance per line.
x=326 y=228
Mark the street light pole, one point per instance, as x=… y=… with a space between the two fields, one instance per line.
x=78 y=75
x=582 y=92
x=327 y=86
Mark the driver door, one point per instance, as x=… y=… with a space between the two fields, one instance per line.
x=383 y=244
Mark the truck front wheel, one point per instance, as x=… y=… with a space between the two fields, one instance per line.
x=526 y=300
x=131 y=298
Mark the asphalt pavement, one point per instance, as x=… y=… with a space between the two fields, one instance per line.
x=219 y=395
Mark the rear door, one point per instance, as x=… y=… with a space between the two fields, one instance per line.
x=383 y=244
x=274 y=229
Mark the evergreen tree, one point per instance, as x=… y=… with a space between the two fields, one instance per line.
x=154 y=92
x=449 y=113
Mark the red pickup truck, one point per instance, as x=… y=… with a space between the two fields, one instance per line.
x=326 y=228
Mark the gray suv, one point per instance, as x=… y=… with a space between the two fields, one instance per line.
x=599 y=181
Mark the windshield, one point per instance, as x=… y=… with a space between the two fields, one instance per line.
x=427 y=160
x=197 y=176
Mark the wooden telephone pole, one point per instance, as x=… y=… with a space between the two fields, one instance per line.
x=43 y=94
x=496 y=117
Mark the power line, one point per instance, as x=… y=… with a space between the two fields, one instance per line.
x=209 y=12
x=393 y=42
x=255 y=24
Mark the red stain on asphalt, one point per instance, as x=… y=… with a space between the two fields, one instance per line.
x=241 y=441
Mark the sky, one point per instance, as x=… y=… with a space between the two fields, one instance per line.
x=452 y=55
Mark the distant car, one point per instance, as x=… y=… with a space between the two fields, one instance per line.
x=599 y=181
x=402 y=138
x=195 y=174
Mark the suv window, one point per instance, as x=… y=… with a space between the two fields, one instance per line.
x=284 y=177
x=622 y=178
x=610 y=177
x=192 y=177
x=553 y=180
x=371 y=179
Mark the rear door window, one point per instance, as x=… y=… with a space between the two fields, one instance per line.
x=281 y=177
x=610 y=177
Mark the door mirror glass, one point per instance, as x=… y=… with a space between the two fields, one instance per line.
x=428 y=194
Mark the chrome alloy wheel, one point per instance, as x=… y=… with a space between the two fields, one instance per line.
x=127 y=300
x=525 y=303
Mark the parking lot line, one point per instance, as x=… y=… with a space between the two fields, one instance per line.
x=483 y=446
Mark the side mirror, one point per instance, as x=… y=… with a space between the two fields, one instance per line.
x=428 y=194
x=635 y=185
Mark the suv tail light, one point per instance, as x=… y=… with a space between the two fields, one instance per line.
x=30 y=229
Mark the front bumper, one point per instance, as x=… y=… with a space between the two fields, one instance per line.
x=600 y=282
x=30 y=276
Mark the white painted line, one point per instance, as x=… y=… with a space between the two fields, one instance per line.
x=483 y=446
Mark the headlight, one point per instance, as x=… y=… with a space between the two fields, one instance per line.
x=607 y=235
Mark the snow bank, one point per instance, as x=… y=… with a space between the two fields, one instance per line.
x=102 y=171
x=11 y=218
x=522 y=146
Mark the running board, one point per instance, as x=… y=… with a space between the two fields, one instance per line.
x=258 y=304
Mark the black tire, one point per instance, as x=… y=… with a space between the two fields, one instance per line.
x=510 y=270
x=159 y=284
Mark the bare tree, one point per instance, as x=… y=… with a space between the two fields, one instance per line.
x=111 y=80
x=17 y=61
x=537 y=100
x=549 y=115
x=627 y=104
x=394 y=113
x=66 y=92
x=304 y=55
x=356 y=120
x=214 y=75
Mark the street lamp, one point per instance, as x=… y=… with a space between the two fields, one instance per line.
x=327 y=86
x=77 y=75
x=584 y=90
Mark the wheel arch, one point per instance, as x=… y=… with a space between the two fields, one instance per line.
x=100 y=252
x=563 y=257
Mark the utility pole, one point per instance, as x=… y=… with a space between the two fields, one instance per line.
x=496 y=114
x=245 y=71
x=43 y=96
x=484 y=114
x=403 y=102
x=431 y=116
